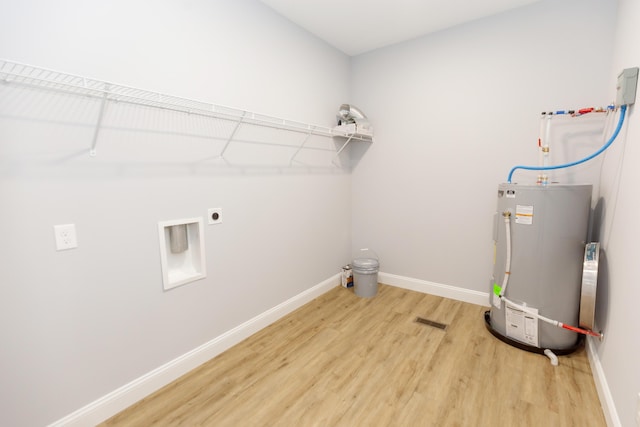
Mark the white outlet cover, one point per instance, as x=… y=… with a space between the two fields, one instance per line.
x=211 y=213
x=65 y=236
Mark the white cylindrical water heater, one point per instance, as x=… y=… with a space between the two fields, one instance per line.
x=548 y=227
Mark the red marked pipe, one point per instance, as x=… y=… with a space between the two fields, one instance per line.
x=580 y=330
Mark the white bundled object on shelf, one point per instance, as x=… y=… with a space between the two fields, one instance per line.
x=357 y=129
x=353 y=122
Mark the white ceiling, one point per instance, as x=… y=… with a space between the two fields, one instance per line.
x=358 y=26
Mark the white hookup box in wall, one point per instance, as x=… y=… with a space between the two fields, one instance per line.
x=182 y=251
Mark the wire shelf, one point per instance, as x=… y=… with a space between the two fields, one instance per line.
x=37 y=77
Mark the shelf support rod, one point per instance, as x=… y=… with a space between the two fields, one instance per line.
x=304 y=141
x=235 y=129
x=92 y=151
x=342 y=148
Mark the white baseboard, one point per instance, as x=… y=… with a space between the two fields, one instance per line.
x=604 y=393
x=432 y=288
x=125 y=396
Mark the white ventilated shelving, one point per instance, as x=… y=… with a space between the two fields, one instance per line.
x=15 y=73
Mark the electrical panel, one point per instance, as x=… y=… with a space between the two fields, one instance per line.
x=626 y=87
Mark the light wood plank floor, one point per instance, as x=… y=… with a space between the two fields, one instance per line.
x=342 y=360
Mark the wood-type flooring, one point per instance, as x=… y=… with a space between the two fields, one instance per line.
x=341 y=360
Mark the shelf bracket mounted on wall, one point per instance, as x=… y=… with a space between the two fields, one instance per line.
x=335 y=157
x=304 y=141
x=233 y=134
x=92 y=151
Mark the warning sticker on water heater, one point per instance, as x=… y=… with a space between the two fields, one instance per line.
x=521 y=325
x=524 y=214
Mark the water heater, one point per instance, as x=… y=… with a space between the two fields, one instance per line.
x=548 y=227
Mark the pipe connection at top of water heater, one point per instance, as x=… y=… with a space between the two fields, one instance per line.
x=625 y=96
x=623 y=110
x=543 y=146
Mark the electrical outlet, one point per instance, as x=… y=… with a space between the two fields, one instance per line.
x=215 y=215
x=65 y=236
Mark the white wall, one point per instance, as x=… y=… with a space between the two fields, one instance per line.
x=81 y=323
x=453 y=112
x=618 y=290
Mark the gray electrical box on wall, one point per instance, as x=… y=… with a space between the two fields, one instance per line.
x=626 y=87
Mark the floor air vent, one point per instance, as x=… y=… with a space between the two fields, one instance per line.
x=431 y=323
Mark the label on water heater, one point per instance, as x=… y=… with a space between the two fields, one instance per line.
x=524 y=214
x=522 y=326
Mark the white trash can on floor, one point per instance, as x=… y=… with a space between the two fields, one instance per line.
x=365 y=276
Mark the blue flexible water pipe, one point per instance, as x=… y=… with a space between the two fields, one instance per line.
x=623 y=110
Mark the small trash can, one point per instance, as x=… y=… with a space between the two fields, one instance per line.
x=365 y=276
